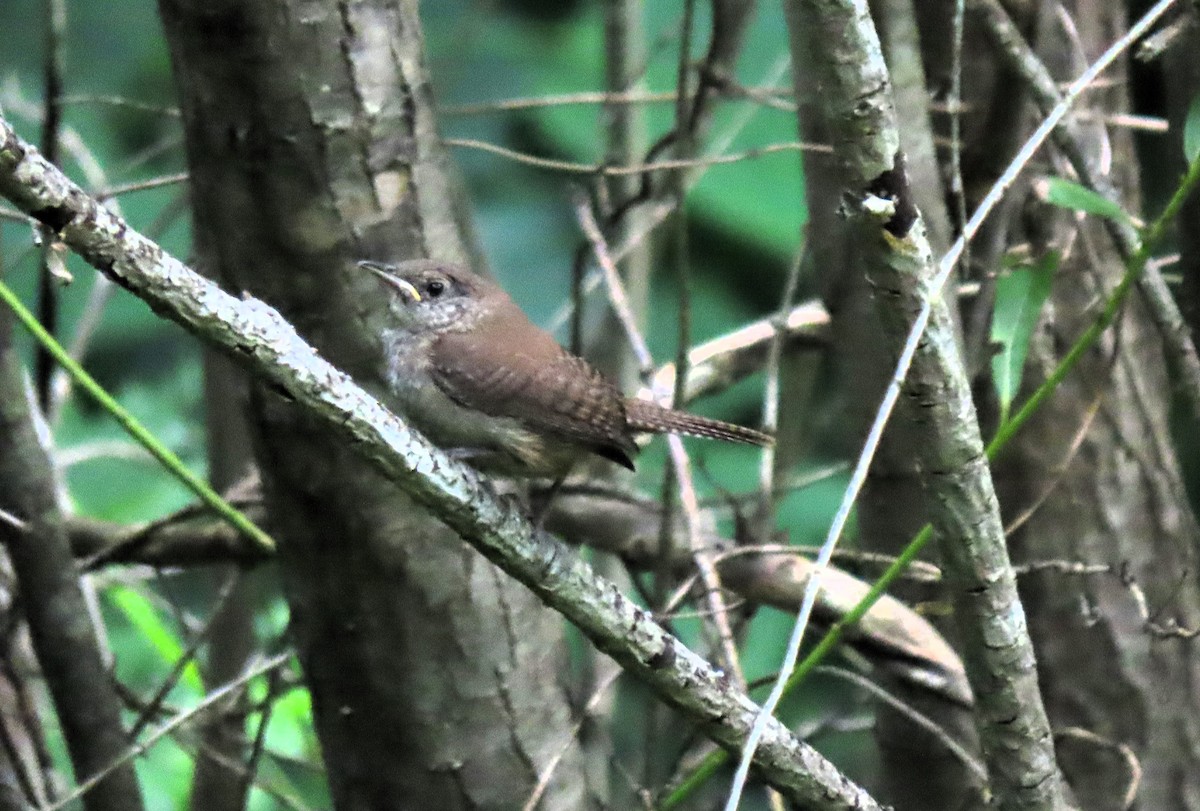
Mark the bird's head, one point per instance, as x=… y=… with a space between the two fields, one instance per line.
x=430 y=295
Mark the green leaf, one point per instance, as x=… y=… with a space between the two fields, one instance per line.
x=1191 y=131
x=1066 y=194
x=1020 y=295
x=141 y=614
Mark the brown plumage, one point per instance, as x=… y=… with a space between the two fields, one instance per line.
x=652 y=418
x=529 y=377
x=473 y=373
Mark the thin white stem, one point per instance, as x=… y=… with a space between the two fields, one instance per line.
x=616 y=288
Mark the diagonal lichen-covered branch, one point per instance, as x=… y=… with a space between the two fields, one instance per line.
x=856 y=105
x=254 y=332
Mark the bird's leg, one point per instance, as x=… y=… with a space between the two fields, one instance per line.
x=538 y=511
x=473 y=456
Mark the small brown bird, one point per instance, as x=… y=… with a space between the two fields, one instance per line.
x=470 y=371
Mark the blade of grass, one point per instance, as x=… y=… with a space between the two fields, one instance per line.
x=133 y=427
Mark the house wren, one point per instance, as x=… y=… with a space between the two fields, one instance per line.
x=470 y=371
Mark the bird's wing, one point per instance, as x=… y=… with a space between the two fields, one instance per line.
x=531 y=378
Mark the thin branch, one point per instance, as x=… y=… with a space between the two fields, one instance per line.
x=774 y=97
x=612 y=281
x=1059 y=470
x=654 y=212
x=86 y=99
x=600 y=169
x=142 y=185
x=1124 y=750
x=770 y=410
x=719 y=363
x=957 y=192
x=912 y=714
x=259 y=744
x=52 y=70
x=136 y=751
x=547 y=772
x=625 y=137
x=702 y=559
x=186 y=657
x=18 y=757
x=16 y=216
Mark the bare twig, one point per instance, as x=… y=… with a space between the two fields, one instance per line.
x=602 y=170
x=722 y=361
x=547 y=772
x=213 y=698
x=1076 y=442
x=612 y=282
x=52 y=70
x=775 y=97
x=913 y=714
x=1126 y=753
x=83 y=99
x=186 y=656
x=770 y=410
x=142 y=185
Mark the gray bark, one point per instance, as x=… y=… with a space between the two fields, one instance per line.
x=855 y=101
x=1117 y=688
x=217 y=785
x=52 y=600
x=311 y=144
x=1112 y=679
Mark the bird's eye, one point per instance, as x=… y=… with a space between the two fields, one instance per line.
x=435 y=289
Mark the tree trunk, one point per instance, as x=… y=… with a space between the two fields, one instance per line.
x=1116 y=686
x=1121 y=693
x=311 y=144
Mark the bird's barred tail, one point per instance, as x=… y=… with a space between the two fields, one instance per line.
x=649 y=417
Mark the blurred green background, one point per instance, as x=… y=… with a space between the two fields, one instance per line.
x=745 y=225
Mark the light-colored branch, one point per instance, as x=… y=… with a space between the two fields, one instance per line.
x=716 y=364
x=270 y=347
x=571 y=167
x=617 y=296
x=768 y=96
x=855 y=103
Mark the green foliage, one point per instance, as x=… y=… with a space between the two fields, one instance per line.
x=1191 y=131
x=141 y=614
x=1020 y=294
x=1070 y=195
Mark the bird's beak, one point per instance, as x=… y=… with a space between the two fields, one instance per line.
x=406 y=288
